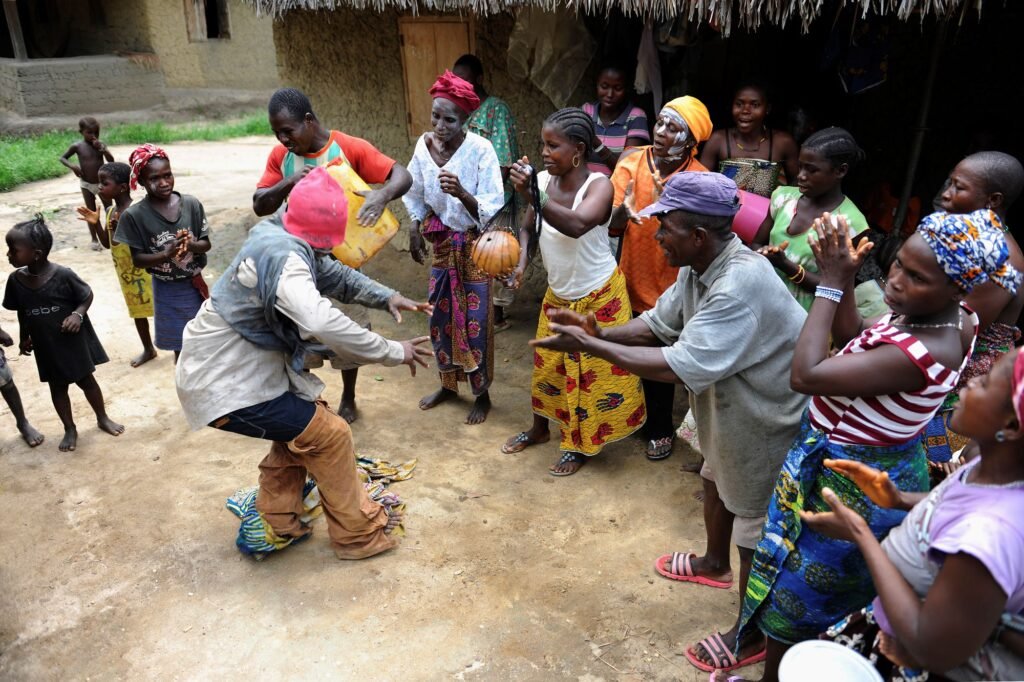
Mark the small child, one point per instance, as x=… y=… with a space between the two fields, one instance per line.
x=91 y=153
x=13 y=398
x=136 y=283
x=168 y=235
x=51 y=302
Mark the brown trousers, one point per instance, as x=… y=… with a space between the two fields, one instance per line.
x=324 y=449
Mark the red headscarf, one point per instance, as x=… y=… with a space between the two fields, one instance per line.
x=456 y=90
x=140 y=157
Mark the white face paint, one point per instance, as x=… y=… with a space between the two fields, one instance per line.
x=668 y=122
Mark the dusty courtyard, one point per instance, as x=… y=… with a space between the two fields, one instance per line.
x=119 y=559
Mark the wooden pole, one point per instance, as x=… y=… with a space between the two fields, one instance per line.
x=922 y=122
x=14 y=27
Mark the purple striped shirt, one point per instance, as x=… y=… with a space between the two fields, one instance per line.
x=631 y=123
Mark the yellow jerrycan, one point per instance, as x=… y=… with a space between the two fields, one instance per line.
x=361 y=243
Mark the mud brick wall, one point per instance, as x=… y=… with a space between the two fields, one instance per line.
x=80 y=85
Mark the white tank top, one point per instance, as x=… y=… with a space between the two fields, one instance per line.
x=576 y=267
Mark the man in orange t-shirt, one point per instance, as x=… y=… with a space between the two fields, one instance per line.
x=304 y=145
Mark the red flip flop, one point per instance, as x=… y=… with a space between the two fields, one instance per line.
x=722 y=656
x=677 y=566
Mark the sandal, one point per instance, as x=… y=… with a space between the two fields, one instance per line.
x=679 y=566
x=568 y=458
x=504 y=325
x=520 y=442
x=722 y=657
x=660 y=448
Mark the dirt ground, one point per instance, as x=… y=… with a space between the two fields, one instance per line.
x=119 y=559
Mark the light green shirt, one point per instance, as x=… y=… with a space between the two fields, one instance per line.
x=783 y=208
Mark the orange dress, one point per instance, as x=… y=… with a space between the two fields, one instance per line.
x=647 y=272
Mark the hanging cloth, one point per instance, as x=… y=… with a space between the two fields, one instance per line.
x=648 y=66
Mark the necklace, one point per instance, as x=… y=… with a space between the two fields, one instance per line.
x=764 y=137
x=958 y=325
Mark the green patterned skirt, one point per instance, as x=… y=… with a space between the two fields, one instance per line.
x=802 y=582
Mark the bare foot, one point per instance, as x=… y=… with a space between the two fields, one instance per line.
x=110 y=426
x=143 y=357
x=394 y=520
x=347 y=409
x=568 y=464
x=70 y=441
x=699 y=495
x=525 y=439
x=31 y=436
x=436 y=398
x=481 y=406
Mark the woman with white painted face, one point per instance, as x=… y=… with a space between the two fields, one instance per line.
x=639 y=178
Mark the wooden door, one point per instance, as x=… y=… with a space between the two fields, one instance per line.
x=429 y=46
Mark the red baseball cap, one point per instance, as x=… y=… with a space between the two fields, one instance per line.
x=317 y=210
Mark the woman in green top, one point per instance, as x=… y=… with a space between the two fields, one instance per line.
x=825 y=159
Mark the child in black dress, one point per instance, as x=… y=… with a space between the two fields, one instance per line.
x=51 y=302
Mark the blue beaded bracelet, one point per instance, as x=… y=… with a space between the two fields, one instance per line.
x=828 y=293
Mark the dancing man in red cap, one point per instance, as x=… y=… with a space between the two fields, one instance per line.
x=241 y=370
x=305 y=144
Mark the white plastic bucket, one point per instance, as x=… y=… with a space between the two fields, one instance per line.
x=816 y=660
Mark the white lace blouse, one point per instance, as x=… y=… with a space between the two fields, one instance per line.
x=476 y=165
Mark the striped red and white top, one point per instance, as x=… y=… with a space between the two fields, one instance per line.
x=888 y=419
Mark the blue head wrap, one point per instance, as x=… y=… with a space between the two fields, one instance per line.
x=971 y=248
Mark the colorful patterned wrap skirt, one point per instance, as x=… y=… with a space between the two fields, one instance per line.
x=593 y=401
x=462 y=326
x=801 y=581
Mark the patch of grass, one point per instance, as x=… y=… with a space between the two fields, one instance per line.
x=35 y=157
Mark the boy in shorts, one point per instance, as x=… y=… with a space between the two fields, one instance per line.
x=91 y=153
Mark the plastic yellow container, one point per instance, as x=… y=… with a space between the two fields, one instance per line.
x=361 y=243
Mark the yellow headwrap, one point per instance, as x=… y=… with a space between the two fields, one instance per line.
x=695 y=114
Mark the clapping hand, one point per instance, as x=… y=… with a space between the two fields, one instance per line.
x=775 y=253
x=629 y=205
x=876 y=484
x=184 y=238
x=842 y=523
x=571 y=331
x=838 y=259
x=88 y=215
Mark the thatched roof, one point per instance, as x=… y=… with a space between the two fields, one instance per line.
x=750 y=14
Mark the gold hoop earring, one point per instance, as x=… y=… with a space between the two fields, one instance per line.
x=576 y=161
